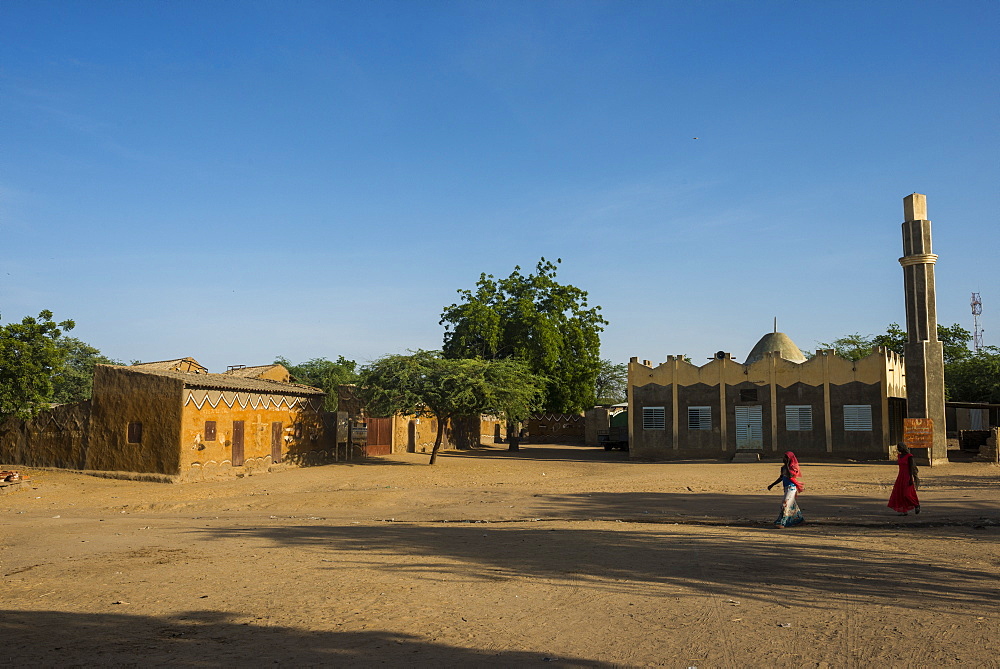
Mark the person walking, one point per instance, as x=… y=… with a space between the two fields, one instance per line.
x=904 y=491
x=790 y=513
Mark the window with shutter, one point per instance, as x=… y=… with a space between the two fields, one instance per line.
x=799 y=418
x=653 y=418
x=699 y=418
x=209 y=430
x=858 y=417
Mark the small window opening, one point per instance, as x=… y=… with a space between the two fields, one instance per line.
x=135 y=432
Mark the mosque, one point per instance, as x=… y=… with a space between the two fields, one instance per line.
x=779 y=399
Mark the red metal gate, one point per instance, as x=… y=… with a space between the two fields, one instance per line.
x=379 y=436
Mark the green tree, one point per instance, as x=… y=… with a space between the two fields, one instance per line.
x=29 y=356
x=954 y=340
x=853 y=346
x=968 y=377
x=611 y=385
x=894 y=338
x=425 y=383
x=324 y=374
x=537 y=320
x=974 y=378
x=73 y=381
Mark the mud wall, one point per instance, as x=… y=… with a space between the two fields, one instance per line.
x=302 y=437
x=56 y=437
x=556 y=428
x=122 y=397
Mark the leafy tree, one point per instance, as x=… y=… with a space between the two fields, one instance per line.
x=29 y=355
x=324 y=374
x=73 y=381
x=853 y=346
x=537 y=320
x=611 y=386
x=968 y=376
x=894 y=338
x=426 y=384
x=974 y=378
x=955 y=341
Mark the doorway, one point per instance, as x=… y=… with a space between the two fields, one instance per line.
x=749 y=428
x=237 y=457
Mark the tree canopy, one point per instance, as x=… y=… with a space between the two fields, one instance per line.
x=535 y=319
x=324 y=374
x=968 y=376
x=955 y=340
x=975 y=378
x=425 y=383
x=73 y=381
x=29 y=356
x=611 y=386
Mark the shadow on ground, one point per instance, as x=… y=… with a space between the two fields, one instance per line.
x=750 y=509
x=776 y=567
x=213 y=639
x=545 y=452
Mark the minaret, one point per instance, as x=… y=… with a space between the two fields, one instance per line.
x=924 y=354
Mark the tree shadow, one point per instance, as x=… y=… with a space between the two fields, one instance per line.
x=547 y=452
x=786 y=568
x=753 y=510
x=219 y=639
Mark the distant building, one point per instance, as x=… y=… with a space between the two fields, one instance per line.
x=271 y=372
x=778 y=400
x=176 y=365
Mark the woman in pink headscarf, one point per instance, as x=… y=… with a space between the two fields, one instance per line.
x=790 y=513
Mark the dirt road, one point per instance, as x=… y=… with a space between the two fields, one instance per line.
x=562 y=556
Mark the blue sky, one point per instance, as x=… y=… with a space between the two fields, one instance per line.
x=240 y=180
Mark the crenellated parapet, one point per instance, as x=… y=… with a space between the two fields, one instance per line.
x=880 y=366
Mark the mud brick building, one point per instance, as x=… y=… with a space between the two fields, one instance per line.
x=175 y=421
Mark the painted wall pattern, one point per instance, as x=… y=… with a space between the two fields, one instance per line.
x=255 y=401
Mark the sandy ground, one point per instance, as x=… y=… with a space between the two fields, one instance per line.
x=562 y=555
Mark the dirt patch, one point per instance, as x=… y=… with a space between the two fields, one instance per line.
x=564 y=555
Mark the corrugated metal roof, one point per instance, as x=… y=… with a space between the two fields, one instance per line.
x=224 y=381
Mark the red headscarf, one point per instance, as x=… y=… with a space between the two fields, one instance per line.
x=793 y=469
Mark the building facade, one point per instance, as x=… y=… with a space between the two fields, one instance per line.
x=776 y=401
x=159 y=420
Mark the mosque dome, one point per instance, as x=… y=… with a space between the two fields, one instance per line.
x=777 y=342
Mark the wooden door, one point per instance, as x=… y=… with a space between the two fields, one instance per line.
x=276 y=438
x=237 y=456
x=379 y=436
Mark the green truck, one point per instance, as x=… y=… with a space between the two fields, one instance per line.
x=616 y=436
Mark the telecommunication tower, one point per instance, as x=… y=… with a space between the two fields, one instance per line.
x=977 y=332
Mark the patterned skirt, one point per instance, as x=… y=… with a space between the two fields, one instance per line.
x=790 y=513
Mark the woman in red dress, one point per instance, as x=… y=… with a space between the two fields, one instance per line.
x=904 y=492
